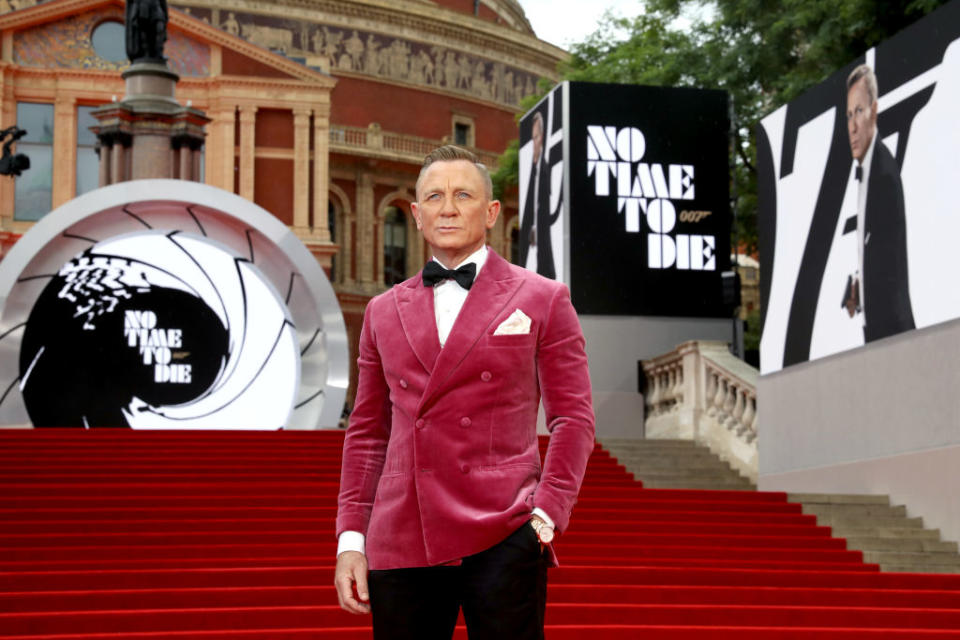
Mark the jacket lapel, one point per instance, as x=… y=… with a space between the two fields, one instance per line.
x=418 y=320
x=493 y=289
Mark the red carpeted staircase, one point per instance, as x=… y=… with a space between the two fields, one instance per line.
x=229 y=535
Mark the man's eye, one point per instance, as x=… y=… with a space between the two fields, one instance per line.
x=463 y=195
x=433 y=196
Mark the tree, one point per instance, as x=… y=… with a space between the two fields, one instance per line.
x=764 y=53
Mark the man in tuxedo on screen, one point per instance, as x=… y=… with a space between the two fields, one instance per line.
x=443 y=502
x=879 y=290
x=535 y=228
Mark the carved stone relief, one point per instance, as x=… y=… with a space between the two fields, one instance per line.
x=354 y=50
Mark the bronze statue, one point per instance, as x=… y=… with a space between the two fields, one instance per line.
x=146 y=30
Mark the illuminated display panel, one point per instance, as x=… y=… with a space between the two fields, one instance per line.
x=125 y=307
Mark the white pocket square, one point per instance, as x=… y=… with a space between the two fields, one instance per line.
x=517 y=324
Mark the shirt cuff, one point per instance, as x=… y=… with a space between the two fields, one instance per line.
x=537 y=511
x=351 y=541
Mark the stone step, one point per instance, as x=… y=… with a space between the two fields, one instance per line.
x=843 y=523
x=901 y=533
x=912 y=568
x=707 y=460
x=699 y=484
x=675 y=464
x=838 y=498
x=855 y=510
x=914 y=545
x=650 y=445
x=643 y=471
x=869 y=523
x=930 y=558
x=680 y=442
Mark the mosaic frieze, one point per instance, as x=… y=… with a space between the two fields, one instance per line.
x=334 y=48
x=67 y=44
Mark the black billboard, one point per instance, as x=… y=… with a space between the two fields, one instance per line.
x=858 y=211
x=642 y=213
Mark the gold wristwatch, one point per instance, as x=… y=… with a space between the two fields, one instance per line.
x=543 y=530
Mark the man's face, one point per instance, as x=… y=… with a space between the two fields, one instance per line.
x=861 y=119
x=453 y=210
x=537 y=135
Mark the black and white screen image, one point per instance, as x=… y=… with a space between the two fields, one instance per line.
x=649 y=229
x=541 y=232
x=858 y=205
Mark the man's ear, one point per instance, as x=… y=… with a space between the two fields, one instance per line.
x=493 y=210
x=416 y=214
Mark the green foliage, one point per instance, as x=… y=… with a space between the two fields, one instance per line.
x=764 y=53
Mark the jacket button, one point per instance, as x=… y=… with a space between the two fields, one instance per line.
x=403 y=383
x=486 y=376
x=420 y=423
x=465 y=422
x=465 y=468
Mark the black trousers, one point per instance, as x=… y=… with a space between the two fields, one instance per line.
x=502 y=591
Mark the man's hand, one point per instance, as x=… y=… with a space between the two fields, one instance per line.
x=352 y=571
x=852 y=301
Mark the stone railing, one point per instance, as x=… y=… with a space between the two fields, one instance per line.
x=700 y=391
x=373 y=141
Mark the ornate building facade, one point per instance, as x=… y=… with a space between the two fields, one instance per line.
x=322 y=110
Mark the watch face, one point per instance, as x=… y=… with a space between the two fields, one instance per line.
x=545 y=534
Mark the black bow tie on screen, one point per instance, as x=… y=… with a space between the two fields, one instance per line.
x=859 y=173
x=434 y=273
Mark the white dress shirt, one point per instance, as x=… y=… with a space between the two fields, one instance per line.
x=448 y=299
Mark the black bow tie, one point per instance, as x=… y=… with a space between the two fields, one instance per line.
x=434 y=273
x=859 y=173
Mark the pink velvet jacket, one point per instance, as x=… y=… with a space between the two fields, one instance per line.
x=441 y=459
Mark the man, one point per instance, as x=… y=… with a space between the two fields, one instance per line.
x=442 y=496
x=535 y=230
x=880 y=288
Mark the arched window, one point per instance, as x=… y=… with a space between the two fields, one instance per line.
x=394 y=246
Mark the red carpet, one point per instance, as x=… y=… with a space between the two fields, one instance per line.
x=124 y=534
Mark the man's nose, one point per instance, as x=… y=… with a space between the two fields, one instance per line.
x=449 y=207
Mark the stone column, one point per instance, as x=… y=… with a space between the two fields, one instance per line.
x=105 y=155
x=301 y=169
x=321 y=173
x=185 y=156
x=366 y=219
x=346 y=274
x=64 y=150
x=118 y=162
x=248 y=120
x=196 y=156
x=226 y=147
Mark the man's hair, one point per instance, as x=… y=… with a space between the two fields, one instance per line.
x=864 y=71
x=452 y=153
x=538 y=117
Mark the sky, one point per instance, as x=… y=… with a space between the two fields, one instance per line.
x=562 y=22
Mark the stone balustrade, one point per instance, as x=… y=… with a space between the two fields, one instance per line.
x=373 y=141
x=700 y=391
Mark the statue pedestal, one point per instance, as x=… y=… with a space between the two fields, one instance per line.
x=149 y=134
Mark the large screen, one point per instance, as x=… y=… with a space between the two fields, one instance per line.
x=858 y=212
x=167 y=304
x=638 y=199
